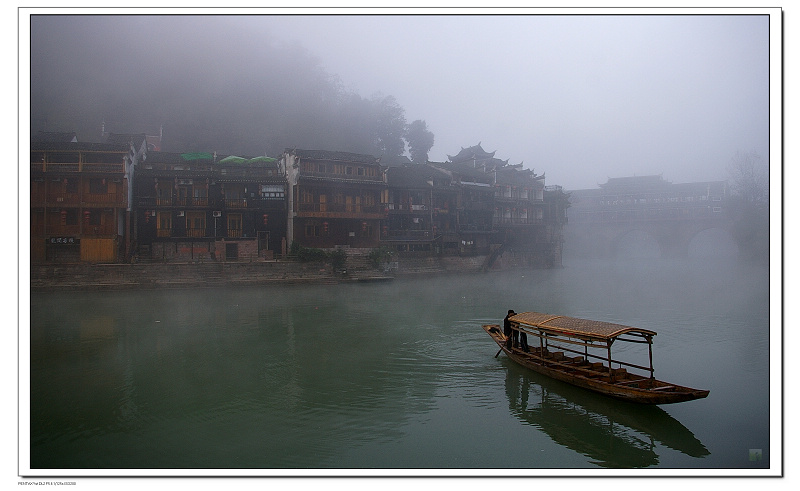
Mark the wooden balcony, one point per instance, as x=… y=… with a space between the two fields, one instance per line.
x=234 y=203
x=171 y=202
x=76 y=199
x=339 y=210
x=103 y=199
x=398 y=208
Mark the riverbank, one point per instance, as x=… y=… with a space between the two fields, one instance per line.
x=62 y=277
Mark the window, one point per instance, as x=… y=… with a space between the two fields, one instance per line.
x=72 y=186
x=272 y=191
x=196 y=224
x=98 y=186
x=234 y=225
x=94 y=218
x=312 y=230
x=164 y=224
x=71 y=217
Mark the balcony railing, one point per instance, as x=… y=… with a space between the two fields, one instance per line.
x=191 y=201
x=423 y=235
x=517 y=221
x=115 y=198
x=205 y=202
x=71 y=167
x=59 y=198
x=188 y=202
x=234 y=203
x=354 y=209
x=405 y=208
x=327 y=175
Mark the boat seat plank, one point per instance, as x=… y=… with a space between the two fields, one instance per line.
x=666 y=387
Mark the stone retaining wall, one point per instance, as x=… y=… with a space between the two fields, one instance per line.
x=53 y=277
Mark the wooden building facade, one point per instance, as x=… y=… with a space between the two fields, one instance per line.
x=80 y=210
x=334 y=198
x=198 y=207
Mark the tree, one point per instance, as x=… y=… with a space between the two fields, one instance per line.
x=389 y=125
x=749 y=205
x=749 y=177
x=420 y=141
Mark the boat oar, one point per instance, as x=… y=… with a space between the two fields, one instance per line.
x=498 y=352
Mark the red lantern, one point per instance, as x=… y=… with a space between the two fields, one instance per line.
x=63 y=217
x=266 y=218
x=325 y=227
x=363 y=226
x=86 y=215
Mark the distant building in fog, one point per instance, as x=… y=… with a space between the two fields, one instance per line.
x=647 y=198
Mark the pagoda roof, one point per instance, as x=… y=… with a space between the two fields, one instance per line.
x=475 y=152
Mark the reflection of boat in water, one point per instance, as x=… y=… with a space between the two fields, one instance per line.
x=612 y=433
x=559 y=336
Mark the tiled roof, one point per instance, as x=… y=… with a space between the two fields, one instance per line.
x=415 y=176
x=53 y=136
x=59 y=146
x=333 y=155
x=126 y=138
x=169 y=158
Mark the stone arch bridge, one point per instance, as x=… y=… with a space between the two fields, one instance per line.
x=603 y=239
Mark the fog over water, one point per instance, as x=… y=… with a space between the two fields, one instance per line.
x=399 y=375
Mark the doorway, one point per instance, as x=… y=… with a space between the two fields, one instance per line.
x=231 y=251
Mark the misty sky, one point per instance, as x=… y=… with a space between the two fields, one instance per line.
x=580 y=98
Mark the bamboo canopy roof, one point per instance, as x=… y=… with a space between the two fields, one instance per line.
x=571 y=326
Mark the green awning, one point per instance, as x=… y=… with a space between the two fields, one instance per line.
x=233 y=159
x=197 y=156
x=263 y=159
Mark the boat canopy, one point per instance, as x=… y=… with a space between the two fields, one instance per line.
x=573 y=327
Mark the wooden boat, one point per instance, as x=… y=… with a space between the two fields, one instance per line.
x=568 y=351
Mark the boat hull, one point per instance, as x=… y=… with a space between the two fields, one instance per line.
x=651 y=392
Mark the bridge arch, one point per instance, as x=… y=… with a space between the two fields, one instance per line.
x=674 y=238
x=713 y=242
